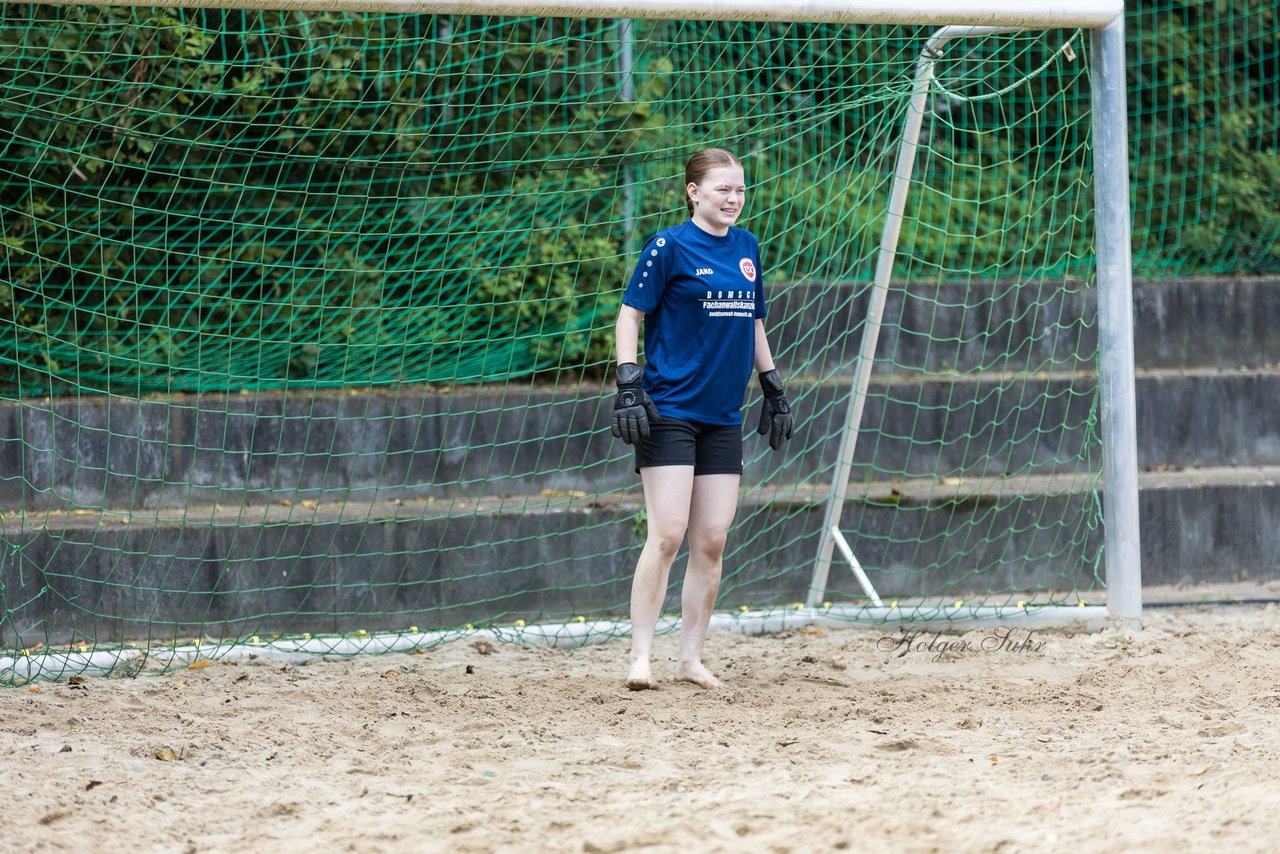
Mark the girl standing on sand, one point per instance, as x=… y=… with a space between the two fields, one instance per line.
x=698 y=288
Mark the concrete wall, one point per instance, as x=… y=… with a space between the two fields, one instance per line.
x=128 y=454
x=1208 y=391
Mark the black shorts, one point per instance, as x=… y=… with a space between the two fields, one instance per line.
x=709 y=448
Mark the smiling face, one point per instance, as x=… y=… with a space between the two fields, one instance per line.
x=718 y=199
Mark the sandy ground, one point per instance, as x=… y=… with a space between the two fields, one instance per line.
x=1165 y=741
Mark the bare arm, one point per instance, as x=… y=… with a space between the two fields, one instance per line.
x=764 y=357
x=626 y=334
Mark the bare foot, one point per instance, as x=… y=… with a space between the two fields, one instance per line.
x=641 y=677
x=697 y=673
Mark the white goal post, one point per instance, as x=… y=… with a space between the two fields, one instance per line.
x=1104 y=21
x=1124 y=603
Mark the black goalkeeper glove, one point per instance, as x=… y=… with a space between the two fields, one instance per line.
x=633 y=410
x=775 y=410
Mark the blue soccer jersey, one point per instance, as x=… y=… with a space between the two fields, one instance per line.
x=701 y=295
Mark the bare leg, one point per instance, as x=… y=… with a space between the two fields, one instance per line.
x=712 y=507
x=667 y=491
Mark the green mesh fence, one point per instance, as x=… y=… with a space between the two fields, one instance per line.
x=307 y=317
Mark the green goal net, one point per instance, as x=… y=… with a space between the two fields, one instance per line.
x=307 y=320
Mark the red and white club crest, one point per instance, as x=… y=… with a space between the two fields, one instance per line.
x=748 y=269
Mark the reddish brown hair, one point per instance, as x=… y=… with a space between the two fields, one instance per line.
x=702 y=162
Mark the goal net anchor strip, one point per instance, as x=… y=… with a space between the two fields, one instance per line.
x=26 y=667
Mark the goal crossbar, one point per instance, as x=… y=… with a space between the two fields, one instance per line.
x=1087 y=14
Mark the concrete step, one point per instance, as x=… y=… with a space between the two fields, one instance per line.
x=419 y=443
x=995 y=326
x=209 y=570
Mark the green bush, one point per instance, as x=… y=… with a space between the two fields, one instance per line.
x=226 y=200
